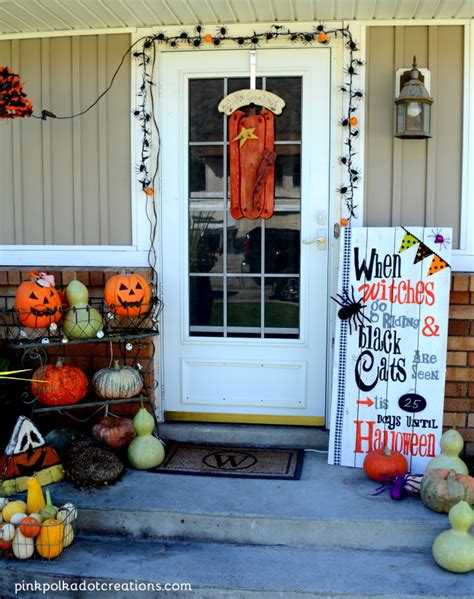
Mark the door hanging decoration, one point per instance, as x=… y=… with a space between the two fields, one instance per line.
x=252 y=148
x=145 y=51
x=391 y=338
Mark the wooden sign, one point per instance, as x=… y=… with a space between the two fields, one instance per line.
x=391 y=339
x=244 y=97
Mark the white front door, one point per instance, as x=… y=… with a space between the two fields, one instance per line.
x=245 y=319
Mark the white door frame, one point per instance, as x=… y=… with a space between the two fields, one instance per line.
x=335 y=176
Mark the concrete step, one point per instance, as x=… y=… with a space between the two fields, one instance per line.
x=298 y=437
x=234 y=572
x=329 y=507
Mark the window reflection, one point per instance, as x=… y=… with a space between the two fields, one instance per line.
x=205 y=122
x=206 y=241
x=206 y=176
x=287 y=124
x=205 y=301
x=243 y=302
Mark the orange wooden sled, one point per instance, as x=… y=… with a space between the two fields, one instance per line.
x=252 y=165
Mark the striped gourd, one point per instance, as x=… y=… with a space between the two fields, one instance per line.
x=119 y=382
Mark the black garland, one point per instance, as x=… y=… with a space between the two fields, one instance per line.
x=319 y=34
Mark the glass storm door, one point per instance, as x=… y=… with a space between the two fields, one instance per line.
x=244 y=324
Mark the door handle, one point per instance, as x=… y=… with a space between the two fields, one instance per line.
x=319 y=239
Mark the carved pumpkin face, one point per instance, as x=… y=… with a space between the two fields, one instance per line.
x=38 y=306
x=128 y=295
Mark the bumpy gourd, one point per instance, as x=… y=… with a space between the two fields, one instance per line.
x=81 y=321
x=119 y=382
x=451 y=444
x=145 y=451
x=453 y=549
x=441 y=489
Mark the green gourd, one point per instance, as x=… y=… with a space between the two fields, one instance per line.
x=453 y=549
x=81 y=321
x=451 y=444
x=145 y=451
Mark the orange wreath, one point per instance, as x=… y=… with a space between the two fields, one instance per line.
x=13 y=101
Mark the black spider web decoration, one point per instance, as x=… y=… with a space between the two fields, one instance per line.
x=319 y=35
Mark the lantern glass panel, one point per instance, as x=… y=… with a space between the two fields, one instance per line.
x=400 y=119
x=426 y=119
x=414 y=117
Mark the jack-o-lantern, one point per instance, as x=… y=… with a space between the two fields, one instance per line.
x=38 y=303
x=27 y=454
x=128 y=295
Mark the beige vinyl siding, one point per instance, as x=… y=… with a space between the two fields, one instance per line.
x=414 y=182
x=68 y=181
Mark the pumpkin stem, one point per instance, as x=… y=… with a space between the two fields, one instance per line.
x=387 y=452
x=60 y=362
x=116 y=365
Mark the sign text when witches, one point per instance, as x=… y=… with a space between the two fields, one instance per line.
x=388 y=268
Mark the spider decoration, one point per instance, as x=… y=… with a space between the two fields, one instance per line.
x=440 y=239
x=405 y=484
x=351 y=310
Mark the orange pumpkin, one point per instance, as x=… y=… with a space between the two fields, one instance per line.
x=128 y=295
x=116 y=432
x=62 y=386
x=384 y=465
x=37 y=306
x=30 y=527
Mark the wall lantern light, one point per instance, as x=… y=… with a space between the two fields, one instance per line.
x=413 y=106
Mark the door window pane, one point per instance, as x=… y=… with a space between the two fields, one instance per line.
x=288 y=171
x=282 y=243
x=206 y=175
x=287 y=124
x=243 y=302
x=205 y=301
x=205 y=122
x=205 y=241
x=282 y=297
x=245 y=255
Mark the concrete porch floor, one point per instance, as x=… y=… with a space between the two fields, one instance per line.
x=322 y=536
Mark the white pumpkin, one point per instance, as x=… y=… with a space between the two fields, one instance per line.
x=119 y=382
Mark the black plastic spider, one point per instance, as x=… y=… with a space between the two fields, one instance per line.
x=351 y=310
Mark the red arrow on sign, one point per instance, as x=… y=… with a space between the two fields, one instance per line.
x=366 y=402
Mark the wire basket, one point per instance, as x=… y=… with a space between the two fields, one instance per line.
x=93 y=322
x=31 y=539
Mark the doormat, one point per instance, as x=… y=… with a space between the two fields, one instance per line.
x=236 y=462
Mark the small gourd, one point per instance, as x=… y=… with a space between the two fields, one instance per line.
x=7 y=532
x=50 y=541
x=68 y=535
x=49 y=511
x=35 y=501
x=145 y=451
x=30 y=527
x=118 y=382
x=81 y=321
x=23 y=547
x=451 y=444
x=13 y=508
x=453 y=549
x=17 y=518
x=67 y=513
